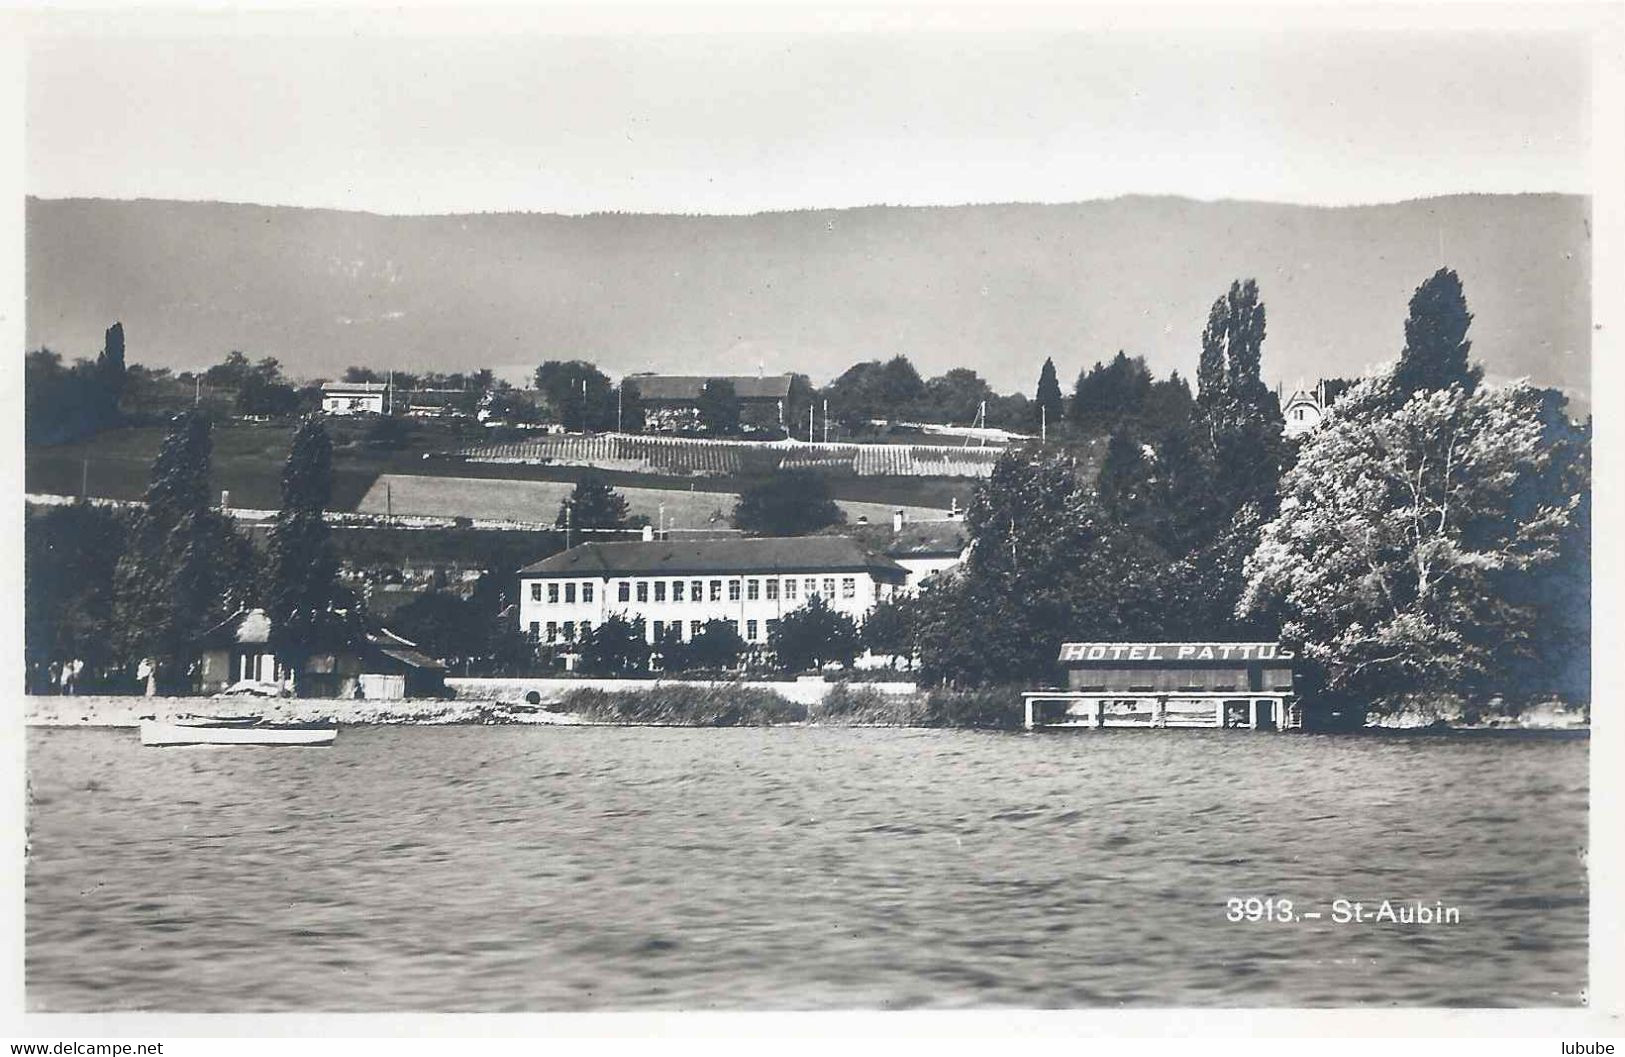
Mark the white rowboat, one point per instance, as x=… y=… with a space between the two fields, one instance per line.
x=156 y=733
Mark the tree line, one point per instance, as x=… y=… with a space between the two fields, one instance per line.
x=1430 y=537
x=67 y=402
x=108 y=587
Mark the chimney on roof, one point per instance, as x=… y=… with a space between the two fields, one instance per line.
x=897 y=521
x=648 y=533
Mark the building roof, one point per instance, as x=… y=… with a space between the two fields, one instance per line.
x=929 y=539
x=686 y=557
x=1301 y=397
x=919 y=539
x=354 y=387
x=248 y=627
x=392 y=645
x=679 y=387
x=252 y=627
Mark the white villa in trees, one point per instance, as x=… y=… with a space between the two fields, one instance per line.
x=1303 y=412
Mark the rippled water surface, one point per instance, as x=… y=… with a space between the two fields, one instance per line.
x=510 y=868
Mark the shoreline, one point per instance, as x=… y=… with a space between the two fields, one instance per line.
x=108 y=712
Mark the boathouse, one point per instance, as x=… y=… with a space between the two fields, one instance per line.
x=1171 y=684
x=373 y=663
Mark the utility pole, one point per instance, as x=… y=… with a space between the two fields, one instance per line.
x=826 y=421
x=1043 y=424
x=84 y=478
x=389 y=390
x=809 y=423
x=389 y=501
x=619 y=406
x=567 y=520
x=197 y=391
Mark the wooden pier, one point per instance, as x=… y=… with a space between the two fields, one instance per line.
x=1217 y=711
x=1157 y=685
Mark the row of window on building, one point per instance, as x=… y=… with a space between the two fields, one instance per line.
x=570 y=631
x=754 y=589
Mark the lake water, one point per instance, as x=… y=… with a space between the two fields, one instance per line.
x=513 y=868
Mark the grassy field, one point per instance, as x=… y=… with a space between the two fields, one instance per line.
x=539 y=501
x=248 y=458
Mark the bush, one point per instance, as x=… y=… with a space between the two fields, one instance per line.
x=686 y=706
x=843 y=705
x=615 y=647
x=991 y=708
x=389 y=433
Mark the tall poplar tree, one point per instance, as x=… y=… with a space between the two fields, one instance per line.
x=301 y=595
x=1244 y=342
x=1210 y=368
x=179 y=483
x=110 y=372
x=185 y=567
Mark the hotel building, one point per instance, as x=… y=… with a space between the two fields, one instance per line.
x=679 y=586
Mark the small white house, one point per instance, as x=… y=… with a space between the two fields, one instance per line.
x=1303 y=412
x=354 y=398
x=926 y=548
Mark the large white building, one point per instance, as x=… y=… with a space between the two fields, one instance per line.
x=682 y=585
x=354 y=398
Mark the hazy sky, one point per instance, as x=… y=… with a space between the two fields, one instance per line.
x=740 y=123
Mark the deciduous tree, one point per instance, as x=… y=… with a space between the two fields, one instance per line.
x=593 y=504
x=812 y=636
x=888 y=631
x=1403 y=535
x=617 y=646
x=791 y=503
x=719 y=407
x=718 y=645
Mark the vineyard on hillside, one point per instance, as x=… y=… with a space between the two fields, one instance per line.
x=689 y=457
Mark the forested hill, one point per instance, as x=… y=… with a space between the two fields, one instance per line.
x=992 y=287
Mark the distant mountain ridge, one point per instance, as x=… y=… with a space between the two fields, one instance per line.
x=993 y=287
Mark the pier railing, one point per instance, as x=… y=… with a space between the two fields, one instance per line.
x=1246 y=709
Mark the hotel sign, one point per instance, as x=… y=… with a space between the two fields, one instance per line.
x=1174 y=651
